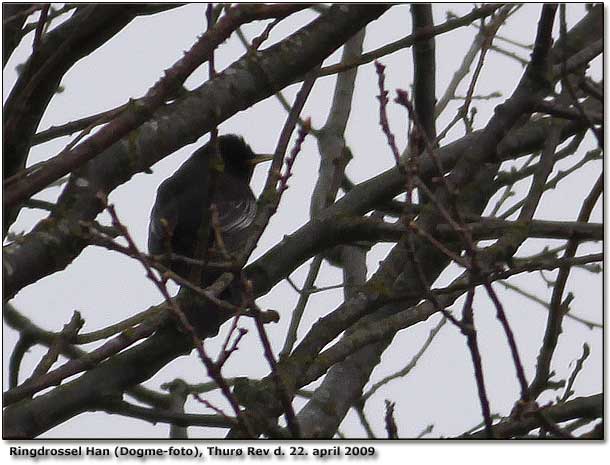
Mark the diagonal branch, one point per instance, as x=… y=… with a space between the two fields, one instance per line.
x=142 y=109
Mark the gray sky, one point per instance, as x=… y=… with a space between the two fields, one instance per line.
x=106 y=287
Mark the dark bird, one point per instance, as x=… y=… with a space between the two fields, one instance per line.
x=185 y=199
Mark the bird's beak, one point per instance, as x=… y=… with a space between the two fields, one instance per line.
x=260 y=158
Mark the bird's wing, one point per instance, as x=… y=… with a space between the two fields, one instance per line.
x=236 y=214
x=235 y=203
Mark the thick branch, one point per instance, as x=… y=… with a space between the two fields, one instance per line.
x=53 y=244
x=582 y=407
x=84 y=32
x=424 y=70
x=142 y=109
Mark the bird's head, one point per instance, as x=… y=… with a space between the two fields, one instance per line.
x=238 y=157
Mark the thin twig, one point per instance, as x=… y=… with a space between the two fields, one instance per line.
x=522 y=61
x=26 y=12
x=390 y=423
x=567 y=393
x=66 y=336
x=538 y=300
x=552 y=183
x=489 y=32
x=218 y=410
x=412 y=363
x=364 y=421
x=71 y=127
x=155 y=415
x=297 y=313
x=44 y=12
x=53 y=13
x=227 y=350
x=383 y=116
x=124 y=340
x=408 y=41
x=95 y=237
x=471 y=337
x=213 y=369
x=279 y=94
x=565 y=81
x=409 y=175
x=22 y=346
x=553 y=327
x=285 y=397
x=463 y=69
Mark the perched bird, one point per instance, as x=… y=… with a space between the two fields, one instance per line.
x=185 y=197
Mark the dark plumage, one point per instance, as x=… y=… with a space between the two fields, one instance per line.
x=183 y=198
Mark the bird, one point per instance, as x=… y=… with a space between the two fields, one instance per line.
x=203 y=182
